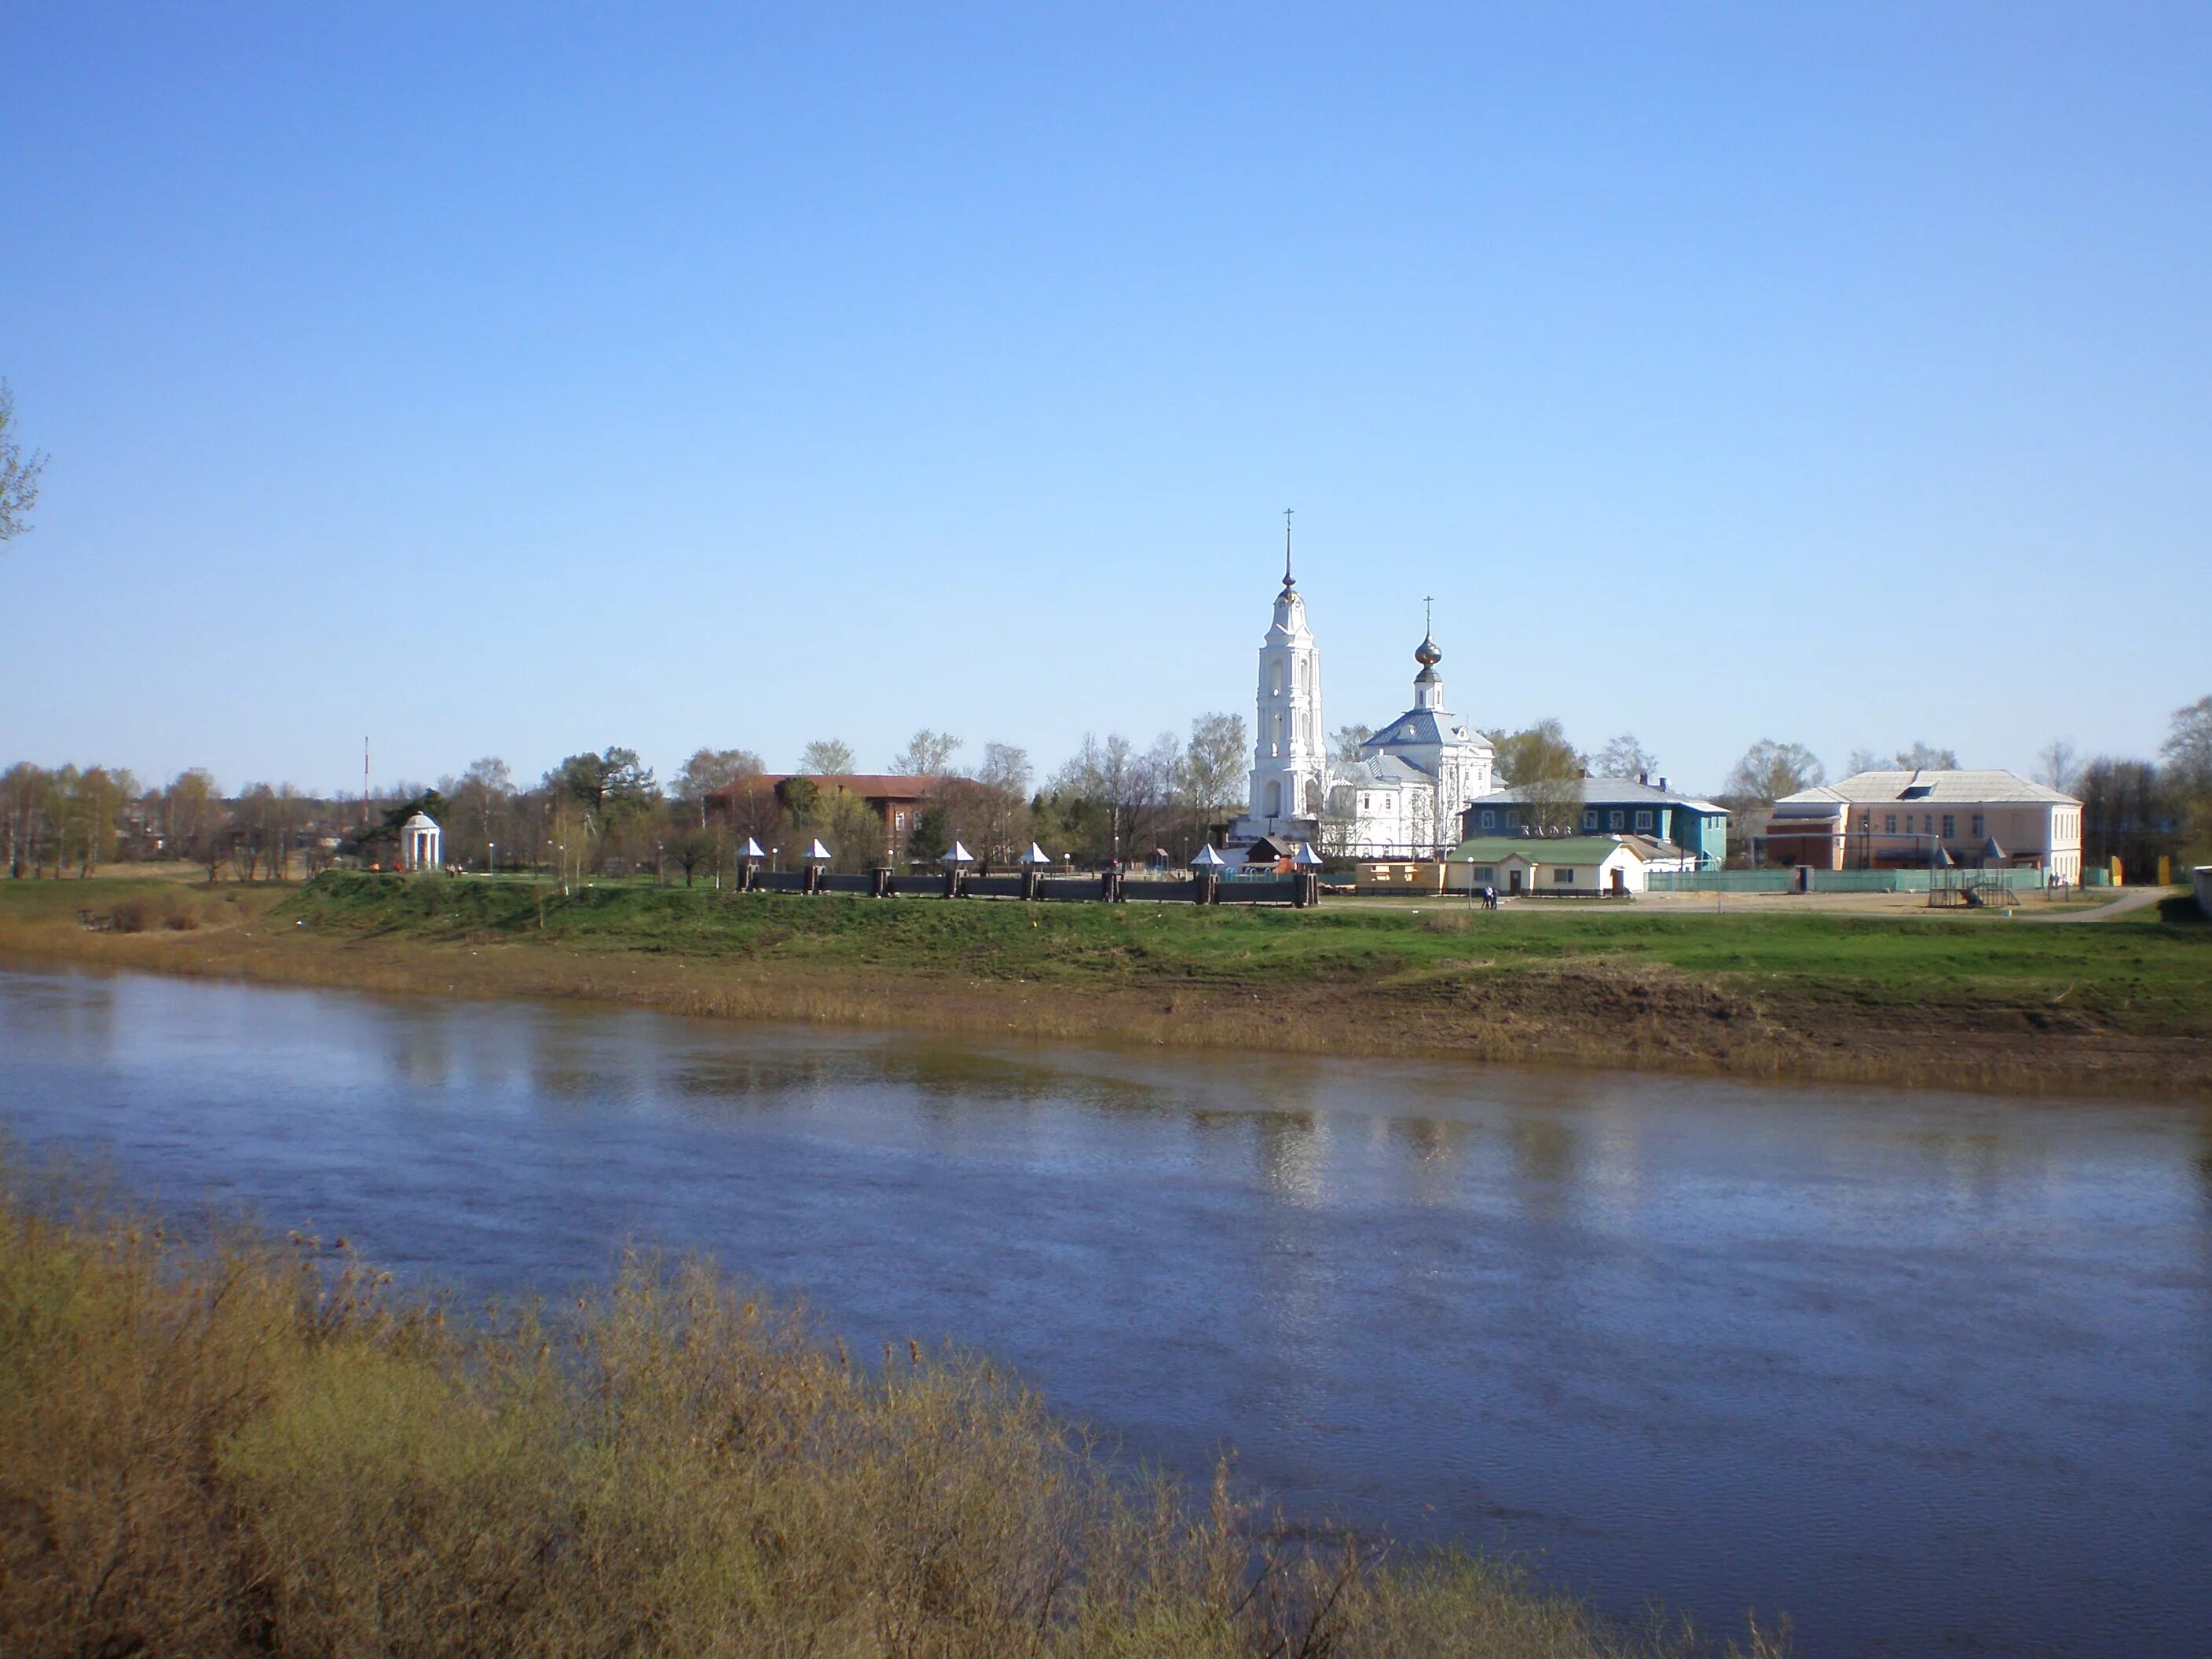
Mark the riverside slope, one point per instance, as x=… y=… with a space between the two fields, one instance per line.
x=1965 y=1002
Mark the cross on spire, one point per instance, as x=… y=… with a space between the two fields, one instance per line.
x=1289 y=580
x=1428 y=613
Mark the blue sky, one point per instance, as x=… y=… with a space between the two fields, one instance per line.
x=519 y=381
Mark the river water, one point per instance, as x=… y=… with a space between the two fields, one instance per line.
x=1933 y=1373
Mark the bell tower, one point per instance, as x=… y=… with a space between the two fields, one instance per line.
x=1290 y=758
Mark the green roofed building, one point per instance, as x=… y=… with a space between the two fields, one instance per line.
x=1564 y=866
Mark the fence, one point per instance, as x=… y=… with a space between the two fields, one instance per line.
x=1832 y=881
x=1077 y=889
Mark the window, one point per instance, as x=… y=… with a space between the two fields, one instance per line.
x=1977 y=824
x=1275 y=680
x=1950 y=826
x=1615 y=820
x=1564 y=878
x=1363 y=803
x=898 y=820
x=1589 y=820
x=1644 y=819
x=1889 y=824
x=1512 y=820
x=1489 y=819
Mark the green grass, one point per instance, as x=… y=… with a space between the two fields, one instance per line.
x=2148 y=974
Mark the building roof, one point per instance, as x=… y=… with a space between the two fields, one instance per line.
x=1965 y=787
x=1546 y=850
x=1608 y=792
x=1382 y=771
x=869 y=786
x=1422 y=726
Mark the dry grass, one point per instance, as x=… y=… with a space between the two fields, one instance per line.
x=251 y=1448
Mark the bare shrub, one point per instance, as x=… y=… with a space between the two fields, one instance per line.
x=248 y=1449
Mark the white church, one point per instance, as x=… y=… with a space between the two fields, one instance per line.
x=1400 y=798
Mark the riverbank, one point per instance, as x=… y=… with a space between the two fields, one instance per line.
x=256 y=1448
x=1977 y=1003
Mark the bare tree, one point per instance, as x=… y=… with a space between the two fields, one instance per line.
x=1213 y=765
x=826 y=758
x=1921 y=757
x=927 y=754
x=1626 y=758
x=2188 y=749
x=2056 y=764
x=1769 y=771
x=1344 y=743
x=708 y=770
x=189 y=805
x=19 y=473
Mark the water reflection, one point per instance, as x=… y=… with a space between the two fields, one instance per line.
x=1934 y=1372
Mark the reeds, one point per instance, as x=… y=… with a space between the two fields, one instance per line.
x=257 y=1449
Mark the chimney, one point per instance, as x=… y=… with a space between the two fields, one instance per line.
x=1662 y=783
x=1644 y=777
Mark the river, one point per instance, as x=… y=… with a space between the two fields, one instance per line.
x=1932 y=1373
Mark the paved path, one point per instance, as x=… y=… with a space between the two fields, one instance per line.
x=2131 y=898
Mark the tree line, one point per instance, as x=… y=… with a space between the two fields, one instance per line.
x=604 y=812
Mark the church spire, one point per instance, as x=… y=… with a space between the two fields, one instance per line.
x=1289 y=580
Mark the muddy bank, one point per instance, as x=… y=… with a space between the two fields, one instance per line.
x=1586 y=1013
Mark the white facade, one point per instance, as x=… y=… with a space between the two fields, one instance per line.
x=421 y=843
x=1403 y=795
x=1289 y=758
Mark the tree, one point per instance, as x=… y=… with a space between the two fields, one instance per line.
x=1548 y=771
x=19 y=473
x=23 y=824
x=932 y=836
x=1769 y=771
x=1921 y=757
x=1344 y=743
x=2188 y=749
x=927 y=754
x=189 y=805
x=1626 y=758
x=826 y=758
x=1091 y=796
x=2056 y=765
x=1213 y=770
x=481 y=803
x=709 y=769
x=2125 y=813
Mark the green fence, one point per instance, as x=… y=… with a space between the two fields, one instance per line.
x=1723 y=881
x=1829 y=881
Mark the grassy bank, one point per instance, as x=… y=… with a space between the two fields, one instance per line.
x=1756 y=989
x=259 y=1449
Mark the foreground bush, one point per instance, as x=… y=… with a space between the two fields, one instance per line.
x=243 y=1449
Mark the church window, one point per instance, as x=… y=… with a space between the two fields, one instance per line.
x=1274 y=797
x=1276 y=726
x=1275 y=677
